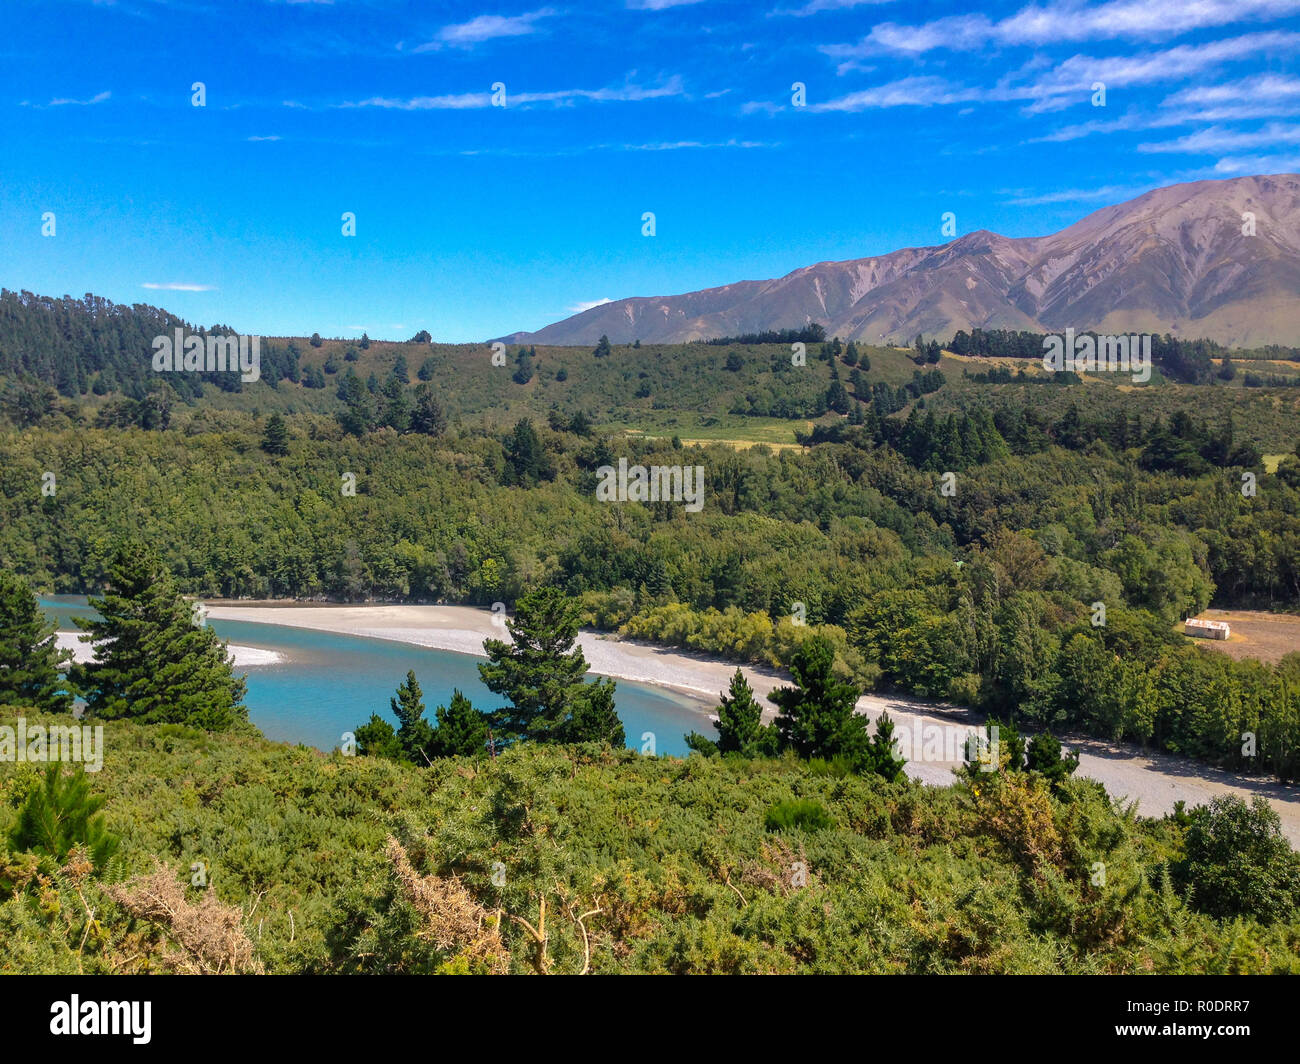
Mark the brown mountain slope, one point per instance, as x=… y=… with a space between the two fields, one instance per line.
x=1172 y=260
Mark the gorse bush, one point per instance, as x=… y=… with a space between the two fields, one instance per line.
x=797 y=814
x=356 y=864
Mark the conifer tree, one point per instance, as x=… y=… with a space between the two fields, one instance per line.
x=818 y=717
x=541 y=671
x=414 y=732
x=153 y=663
x=462 y=730
x=30 y=660
x=276 y=438
x=739 y=716
x=59 y=814
x=882 y=760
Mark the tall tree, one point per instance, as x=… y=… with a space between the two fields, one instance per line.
x=30 y=660
x=541 y=671
x=462 y=730
x=740 y=717
x=276 y=438
x=818 y=717
x=153 y=663
x=427 y=418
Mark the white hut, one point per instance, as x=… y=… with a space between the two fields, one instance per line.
x=1206 y=629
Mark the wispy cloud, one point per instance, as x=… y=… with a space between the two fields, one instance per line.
x=1043 y=88
x=1073 y=195
x=1259 y=164
x=68 y=101
x=1217 y=139
x=625 y=93
x=486 y=28
x=658 y=5
x=818 y=6
x=578 y=308
x=1067 y=20
x=177 y=286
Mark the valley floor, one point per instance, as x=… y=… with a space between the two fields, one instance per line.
x=935 y=732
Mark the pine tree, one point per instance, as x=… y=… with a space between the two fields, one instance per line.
x=462 y=730
x=414 y=732
x=594 y=719
x=59 y=814
x=541 y=671
x=602 y=348
x=882 y=760
x=397 y=408
x=818 y=717
x=276 y=438
x=30 y=660
x=526 y=459
x=427 y=418
x=739 y=716
x=153 y=664
x=377 y=738
x=1044 y=756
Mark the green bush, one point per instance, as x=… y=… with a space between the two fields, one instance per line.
x=797 y=814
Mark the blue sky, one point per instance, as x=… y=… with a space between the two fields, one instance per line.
x=474 y=220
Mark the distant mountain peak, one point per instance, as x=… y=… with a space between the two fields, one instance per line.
x=1175 y=259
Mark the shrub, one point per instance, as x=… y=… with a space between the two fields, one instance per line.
x=797 y=814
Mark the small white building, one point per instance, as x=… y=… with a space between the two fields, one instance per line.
x=1206 y=629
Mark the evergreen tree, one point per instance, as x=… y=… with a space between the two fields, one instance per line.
x=594 y=719
x=30 y=660
x=1043 y=755
x=414 y=732
x=60 y=814
x=397 y=408
x=602 y=348
x=462 y=730
x=526 y=459
x=365 y=342
x=315 y=340
x=818 y=717
x=377 y=738
x=881 y=758
x=276 y=438
x=427 y=418
x=153 y=664
x=740 y=717
x=541 y=671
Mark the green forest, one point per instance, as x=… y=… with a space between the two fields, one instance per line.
x=922 y=520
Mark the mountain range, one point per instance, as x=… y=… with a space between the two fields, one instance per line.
x=1213 y=259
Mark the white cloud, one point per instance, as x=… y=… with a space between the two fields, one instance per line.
x=1217 y=139
x=1072 y=195
x=1259 y=164
x=176 y=286
x=1068 y=20
x=626 y=93
x=578 y=308
x=64 y=101
x=486 y=28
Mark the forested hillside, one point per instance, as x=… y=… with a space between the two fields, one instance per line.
x=951 y=538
